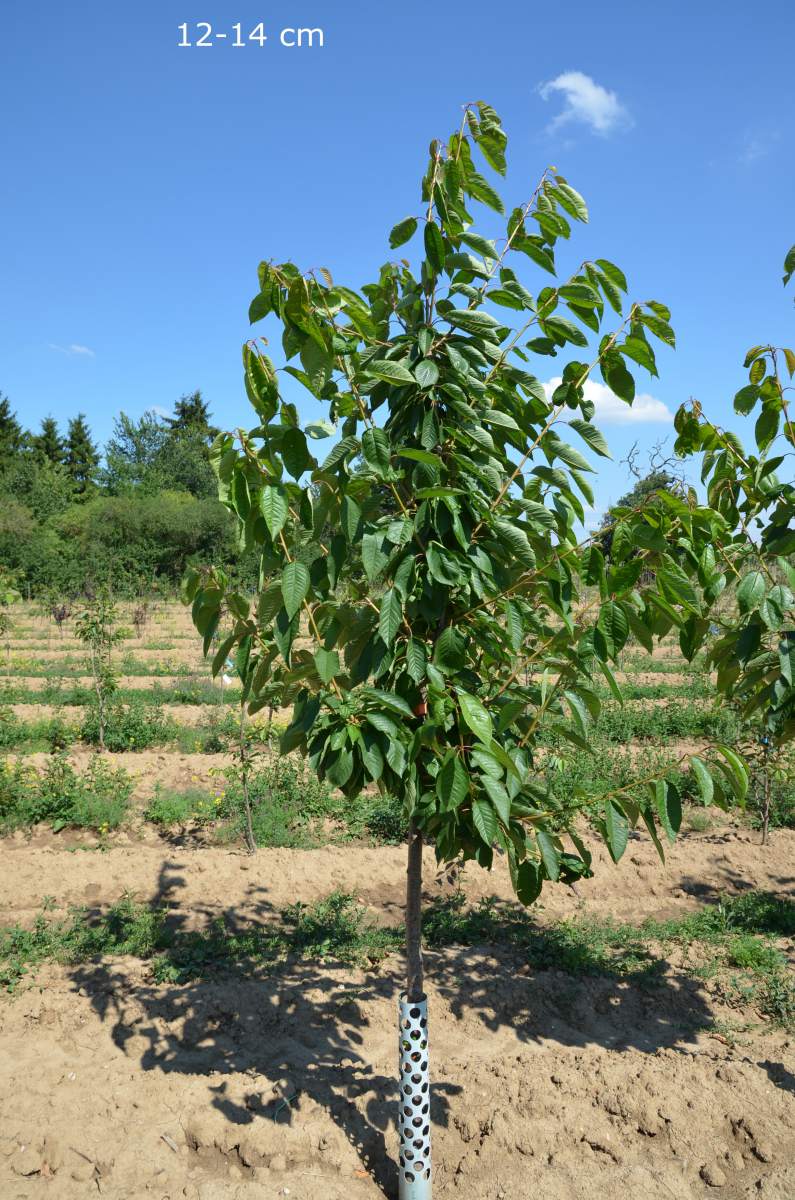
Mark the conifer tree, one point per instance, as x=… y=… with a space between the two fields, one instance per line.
x=48 y=445
x=191 y=414
x=82 y=456
x=11 y=435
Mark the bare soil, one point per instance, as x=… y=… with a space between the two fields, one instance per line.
x=284 y=1084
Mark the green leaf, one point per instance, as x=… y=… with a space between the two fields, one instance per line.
x=295 y=455
x=549 y=854
x=613 y=273
x=485 y=819
x=351 y=519
x=746 y=398
x=498 y=795
x=572 y=201
x=516 y=541
x=222 y=653
x=327 y=663
x=479 y=244
x=676 y=587
x=415 y=660
x=375 y=450
x=390 y=616
x=422 y=456
x=374 y=557
x=270 y=602
x=390 y=372
x=273 y=506
x=737 y=770
x=472 y=322
x=789 y=265
x=669 y=807
x=402 y=232
x=592 y=436
x=481 y=190
x=529 y=882
x=434 y=247
x=751 y=591
x=343 y=449
x=613 y=628
x=452 y=783
x=295 y=586
x=619 y=380
x=426 y=373
x=317 y=363
x=372 y=758
x=616 y=829
x=320 y=429
x=703 y=778
x=476 y=717
x=260 y=379
x=449 y=649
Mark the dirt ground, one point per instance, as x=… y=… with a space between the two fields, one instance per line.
x=284 y=1084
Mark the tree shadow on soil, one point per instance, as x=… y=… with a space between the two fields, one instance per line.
x=305 y=1028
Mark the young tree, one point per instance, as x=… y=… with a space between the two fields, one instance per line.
x=9 y=594
x=48 y=445
x=132 y=450
x=481 y=621
x=81 y=456
x=754 y=654
x=95 y=627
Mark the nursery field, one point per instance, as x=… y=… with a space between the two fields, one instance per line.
x=180 y=1018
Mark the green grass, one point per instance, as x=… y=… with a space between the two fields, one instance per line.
x=169 y=807
x=336 y=927
x=694 y=687
x=72 y=668
x=678 y=719
x=291 y=807
x=734 y=939
x=190 y=692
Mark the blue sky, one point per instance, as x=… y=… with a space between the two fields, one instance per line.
x=142 y=182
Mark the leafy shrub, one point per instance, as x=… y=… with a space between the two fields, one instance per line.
x=286 y=802
x=9 y=729
x=133 y=725
x=380 y=818
x=168 y=808
x=292 y=807
x=97 y=798
x=50 y=733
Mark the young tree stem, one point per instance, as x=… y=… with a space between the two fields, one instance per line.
x=415 y=976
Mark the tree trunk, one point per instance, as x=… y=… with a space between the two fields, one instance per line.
x=414 y=1094
x=415 y=976
x=251 y=844
x=766 y=805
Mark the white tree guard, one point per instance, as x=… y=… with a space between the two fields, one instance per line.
x=414 y=1121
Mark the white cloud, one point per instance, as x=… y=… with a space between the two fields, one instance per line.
x=758 y=147
x=74 y=349
x=159 y=411
x=609 y=409
x=587 y=103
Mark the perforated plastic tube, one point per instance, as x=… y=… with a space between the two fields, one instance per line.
x=414 y=1121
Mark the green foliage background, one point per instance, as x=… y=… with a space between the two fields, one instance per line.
x=134 y=518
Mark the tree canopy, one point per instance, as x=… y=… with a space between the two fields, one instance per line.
x=481 y=619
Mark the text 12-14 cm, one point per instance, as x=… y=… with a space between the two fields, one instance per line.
x=203 y=34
